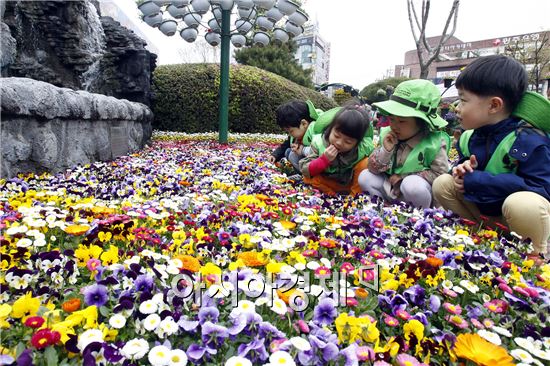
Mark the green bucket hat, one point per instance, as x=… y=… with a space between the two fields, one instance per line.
x=415 y=98
x=535 y=109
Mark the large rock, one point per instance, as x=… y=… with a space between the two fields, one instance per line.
x=46 y=128
x=67 y=44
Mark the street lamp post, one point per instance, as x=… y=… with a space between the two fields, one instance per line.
x=259 y=22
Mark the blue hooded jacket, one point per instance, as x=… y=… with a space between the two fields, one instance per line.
x=532 y=151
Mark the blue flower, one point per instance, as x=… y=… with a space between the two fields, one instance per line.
x=213 y=334
x=208 y=313
x=325 y=312
x=95 y=295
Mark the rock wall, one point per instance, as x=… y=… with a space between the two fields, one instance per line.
x=46 y=128
x=67 y=44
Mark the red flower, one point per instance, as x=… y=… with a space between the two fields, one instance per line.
x=468 y=222
x=34 y=322
x=44 y=338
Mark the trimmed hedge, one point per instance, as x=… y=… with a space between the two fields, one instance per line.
x=186 y=98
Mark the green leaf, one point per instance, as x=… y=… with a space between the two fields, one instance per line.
x=103 y=310
x=19 y=349
x=51 y=356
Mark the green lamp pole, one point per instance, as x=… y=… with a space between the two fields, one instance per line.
x=224 y=77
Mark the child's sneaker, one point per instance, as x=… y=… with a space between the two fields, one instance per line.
x=296 y=178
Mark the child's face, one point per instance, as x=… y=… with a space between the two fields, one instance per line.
x=404 y=127
x=298 y=132
x=473 y=110
x=343 y=143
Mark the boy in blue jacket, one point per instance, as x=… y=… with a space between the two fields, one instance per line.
x=504 y=170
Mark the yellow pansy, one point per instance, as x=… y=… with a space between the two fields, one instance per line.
x=5 y=311
x=25 y=306
x=110 y=257
x=104 y=236
x=415 y=327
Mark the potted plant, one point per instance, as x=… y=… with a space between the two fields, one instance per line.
x=189 y=34
x=147 y=7
x=260 y=39
x=298 y=18
x=288 y=7
x=168 y=27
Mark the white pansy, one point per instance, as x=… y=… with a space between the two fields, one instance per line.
x=148 y=307
x=300 y=343
x=490 y=336
x=177 y=358
x=117 y=321
x=313 y=265
x=151 y=322
x=281 y=358
x=238 y=361
x=89 y=336
x=326 y=262
x=522 y=355
x=300 y=266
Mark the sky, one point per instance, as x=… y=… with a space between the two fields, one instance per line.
x=368 y=37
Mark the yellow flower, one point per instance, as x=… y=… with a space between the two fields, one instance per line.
x=76 y=229
x=484 y=353
x=108 y=334
x=431 y=281
x=244 y=240
x=5 y=311
x=211 y=273
x=89 y=315
x=25 y=306
x=253 y=259
x=110 y=257
x=104 y=236
x=235 y=265
x=289 y=225
x=415 y=327
x=389 y=285
x=274 y=267
x=351 y=329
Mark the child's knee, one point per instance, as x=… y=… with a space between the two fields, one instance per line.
x=525 y=204
x=442 y=185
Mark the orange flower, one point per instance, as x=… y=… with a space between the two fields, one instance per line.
x=189 y=263
x=253 y=259
x=71 y=305
x=289 y=225
x=76 y=229
x=361 y=293
x=285 y=295
x=434 y=262
x=476 y=349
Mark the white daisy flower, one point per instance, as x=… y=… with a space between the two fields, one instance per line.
x=117 y=321
x=490 y=336
x=24 y=243
x=148 y=307
x=238 y=361
x=168 y=325
x=177 y=358
x=246 y=306
x=281 y=358
x=151 y=322
x=545 y=355
x=470 y=286
x=159 y=355
x=522 y=355
x=279 y=307
x=502 y=331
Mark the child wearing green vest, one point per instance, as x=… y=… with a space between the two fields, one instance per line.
x=504 y=170
x=338 y=155
x=300 y=120
x=412 y=151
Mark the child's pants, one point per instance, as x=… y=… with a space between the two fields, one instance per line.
x=526 y=213
x=414 y=189
x=330 y=186
x=294 y=158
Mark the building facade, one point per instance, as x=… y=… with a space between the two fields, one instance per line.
x=456 y=54
x=314 y=53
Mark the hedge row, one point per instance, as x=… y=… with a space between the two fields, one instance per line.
x=186 y=98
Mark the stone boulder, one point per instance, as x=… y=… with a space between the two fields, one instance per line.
x=47 y=128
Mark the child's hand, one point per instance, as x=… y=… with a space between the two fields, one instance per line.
x=297 y=148
x=467 y=167
x=390 y=140
x=331 y=152
x=459 y=183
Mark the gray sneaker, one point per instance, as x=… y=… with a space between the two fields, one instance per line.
x=297 y=178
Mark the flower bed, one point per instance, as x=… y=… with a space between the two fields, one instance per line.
x=200 y=253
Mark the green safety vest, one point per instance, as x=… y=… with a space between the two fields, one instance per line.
x=501 y=161
x=364 y=149
x=422 y=155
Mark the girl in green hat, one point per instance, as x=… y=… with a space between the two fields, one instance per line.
x=412 y=151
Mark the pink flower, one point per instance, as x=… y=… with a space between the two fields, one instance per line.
x=403 y=314
x=302 y=326
x=457 y=321
x=93 y=263
x=521 y=290
x=477 y=323
x=532 y=292
x=404 y=359
x=391 y=321
x=488 y=323
x=449 y=292
x=364 y=353
x=322 y=272
x=346 y=267
x=350 y=301
x=496 y=306
x=453 y=309
x=504 y=287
